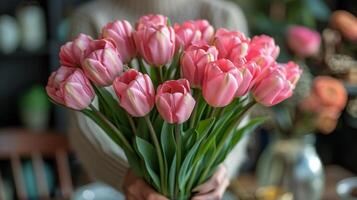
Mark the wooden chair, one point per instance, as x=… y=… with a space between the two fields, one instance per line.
x=19 y=143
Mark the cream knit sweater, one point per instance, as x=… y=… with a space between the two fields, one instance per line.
x=101 y=158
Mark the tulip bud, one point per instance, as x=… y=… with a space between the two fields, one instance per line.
x=231 y=45
x=220 y=83
x=292 y=72
x=151 y=20
x=135 y=92
x=250 y=72
x=156 y=44
x=262 y=45
x=122 y=34
x=72 y=53
x=303 y=41
x=102 y=64
x=276 y=84
x=194 y=61
x=191 y=31
x=206 y=29
x=174 y=101
x=69 y=87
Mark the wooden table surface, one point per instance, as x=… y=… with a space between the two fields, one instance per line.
x=246 y=184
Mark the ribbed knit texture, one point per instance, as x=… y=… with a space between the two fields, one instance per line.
x=99 y=155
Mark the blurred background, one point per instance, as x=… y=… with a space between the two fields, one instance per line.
x=302 y=152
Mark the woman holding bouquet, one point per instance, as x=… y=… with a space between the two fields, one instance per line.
x=104 y=160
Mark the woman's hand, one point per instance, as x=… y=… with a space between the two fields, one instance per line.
x=215 y=187
x=137 y=189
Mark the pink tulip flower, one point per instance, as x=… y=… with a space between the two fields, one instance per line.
x=262 y=45
x=206 y=29
x=250 y=72
x=303 y=41
x=231 y=45
x=156 y=44
x=277 y=84
x=292 y=72
x=103 y=63
x=69 y=87
x=72 y=53
x=192 y=31
x=135 y=92
x=151 y=20
x=121 y=33
x=220 y=83
x=174 y=101
x=194 y=61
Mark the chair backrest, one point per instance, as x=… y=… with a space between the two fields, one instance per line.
x=19 y=143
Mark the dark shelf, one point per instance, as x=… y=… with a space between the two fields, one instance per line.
x=351 y=89
x=18 y=54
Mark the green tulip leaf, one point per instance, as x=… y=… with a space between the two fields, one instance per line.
x=172 y=176
x=168 y=143
x=148 y=154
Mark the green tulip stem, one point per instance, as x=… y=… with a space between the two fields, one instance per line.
x=194 y=115
x=160 y=74
x=178 y=153
x=230 y=130
x=197 y=94
x=159 y=154
x=214 y=111
x=112 y=127
x=131 y=122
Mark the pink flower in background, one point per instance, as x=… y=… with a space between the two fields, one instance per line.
x=72 y=53
x=121 y=33
x=174 y=101
x=232 y=45
x=151 y=20
x=68 y=86
x=250 y=71
x=135 y=92
x=191 y=31
x=194 y=61
x=276 y=84
x=262 y=45
x=220 y=83
x=303 y=41
x=102 y=63
x=156 y=44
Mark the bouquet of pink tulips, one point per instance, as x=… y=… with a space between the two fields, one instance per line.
x=180 y=93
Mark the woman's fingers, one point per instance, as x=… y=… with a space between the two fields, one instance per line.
x=130 y=197
x=214 y=182
x=137 y=189
x=150 y=194
x=215 y=194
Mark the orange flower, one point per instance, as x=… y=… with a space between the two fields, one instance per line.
x=327 y=119
x=346 y=23
x=330 y=92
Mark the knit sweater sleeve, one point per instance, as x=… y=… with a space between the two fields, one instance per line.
x=224 y=14
x=82 y=22
x=102 y=159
